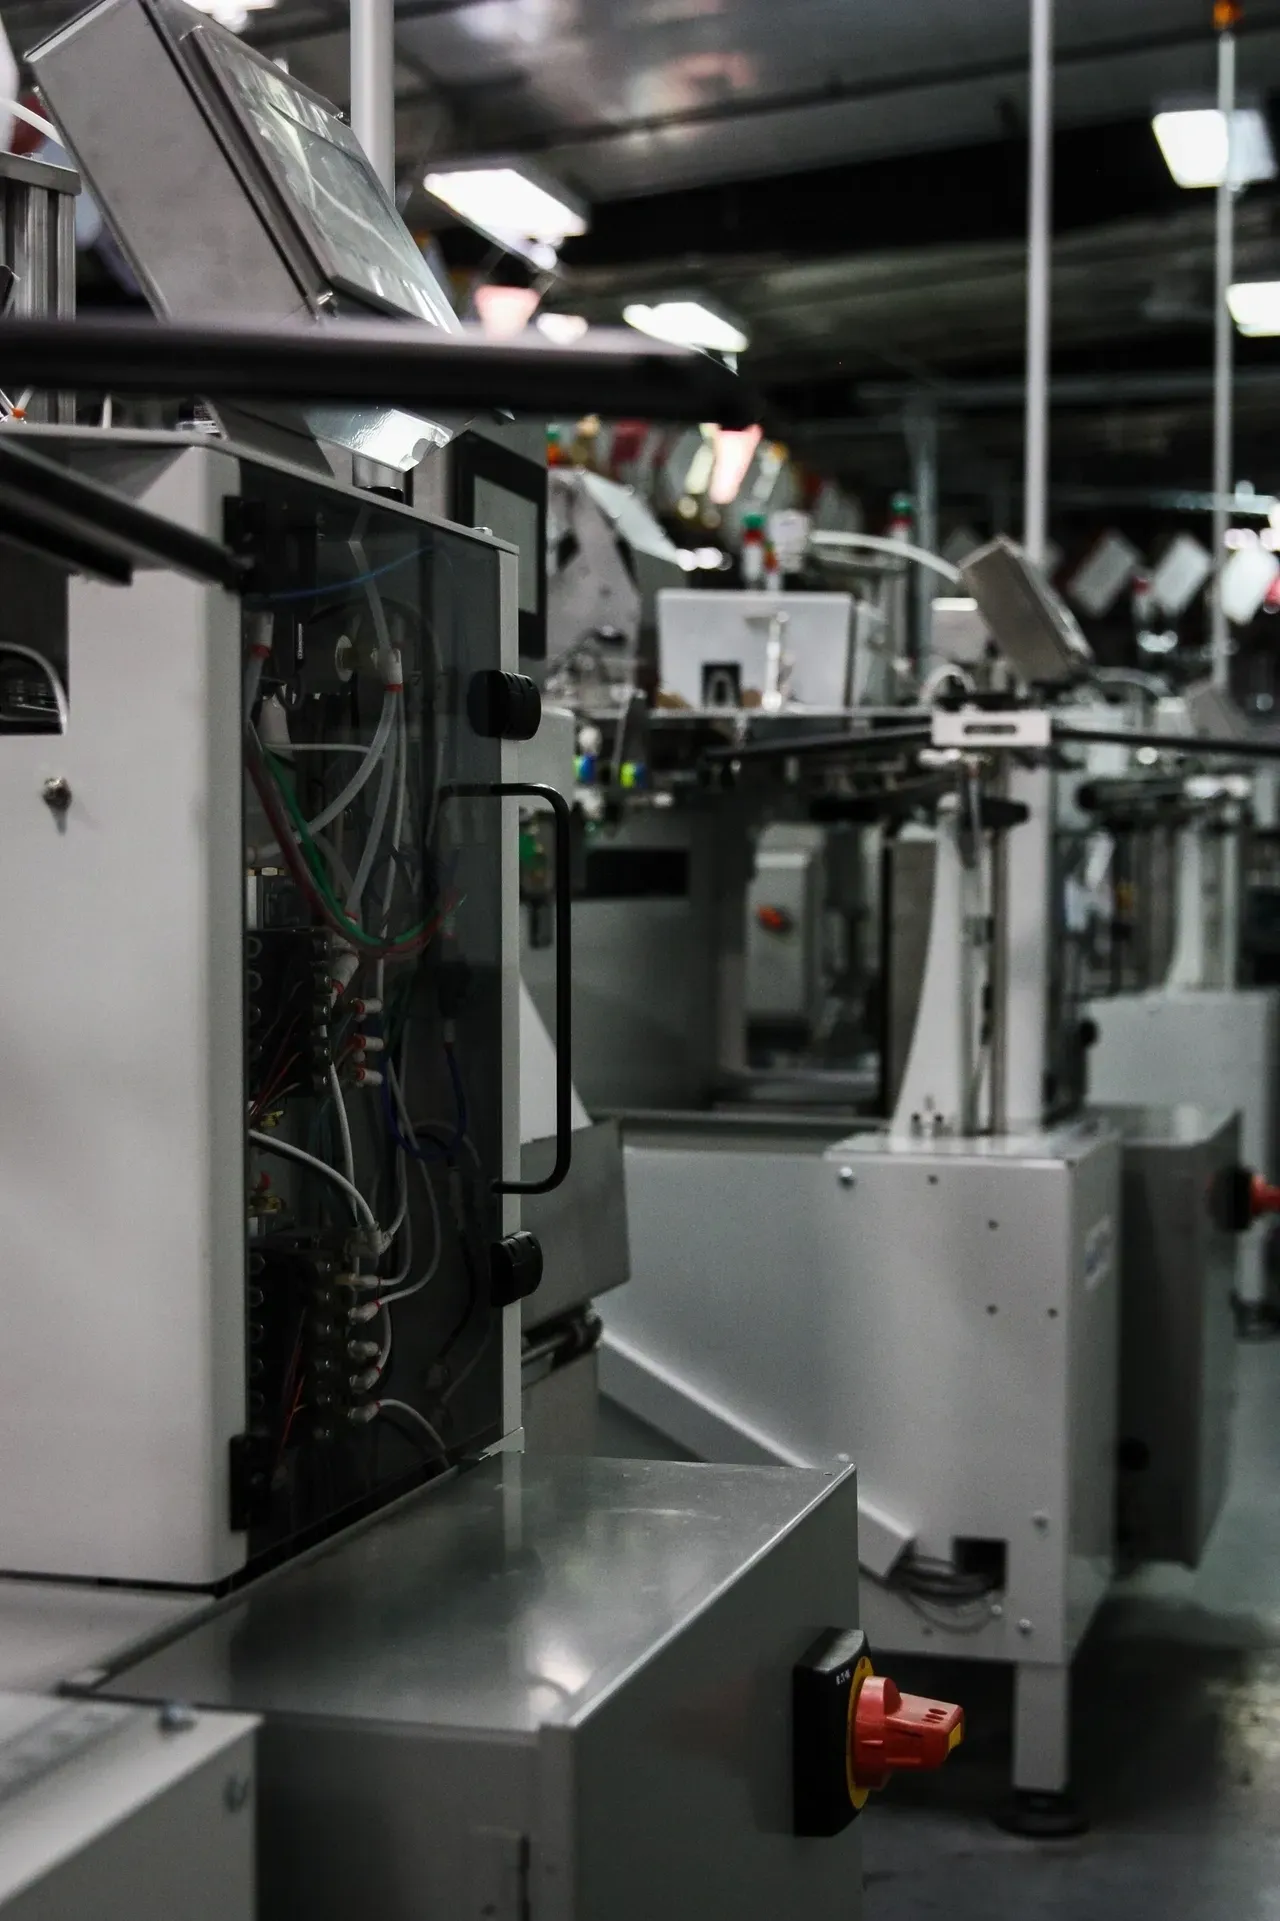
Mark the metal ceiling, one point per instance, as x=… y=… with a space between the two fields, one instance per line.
x=902 y=259
x=638 y=96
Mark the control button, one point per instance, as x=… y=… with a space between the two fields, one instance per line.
x=775 y=920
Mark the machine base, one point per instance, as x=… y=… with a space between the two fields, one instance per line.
x=1255 y=1320
x=1042 y=1817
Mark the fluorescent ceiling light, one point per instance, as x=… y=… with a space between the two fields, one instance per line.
x=687 y=323
x=563 y=328
x=1255 y=306
x=1193 y=141
x=508 y=203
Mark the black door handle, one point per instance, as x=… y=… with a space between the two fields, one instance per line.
x=563 y=821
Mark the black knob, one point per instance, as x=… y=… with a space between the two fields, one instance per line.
x=515 y=1267
x=503 y=706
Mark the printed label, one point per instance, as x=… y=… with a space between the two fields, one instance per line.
x=1099 y=1252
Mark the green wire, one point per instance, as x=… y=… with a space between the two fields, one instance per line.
x=315 y=862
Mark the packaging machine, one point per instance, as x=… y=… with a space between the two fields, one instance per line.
x=940 y=1297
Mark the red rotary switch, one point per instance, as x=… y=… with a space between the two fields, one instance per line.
x=896 y=1733
x=1264 y=1197
x=852 y=1730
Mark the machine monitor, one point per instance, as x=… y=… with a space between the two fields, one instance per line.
x=1034 y=629
x=233 y=191
x=237 y=189
x=745 y=649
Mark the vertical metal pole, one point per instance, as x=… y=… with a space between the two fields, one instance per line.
x=921 y=423
x=1039 y=239
x=1223 y=366
x=373 y=85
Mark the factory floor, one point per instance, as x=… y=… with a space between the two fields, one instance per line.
x=1177 y=1740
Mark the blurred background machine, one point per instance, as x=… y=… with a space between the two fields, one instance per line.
x=1191 y=1026
x=797 y=1286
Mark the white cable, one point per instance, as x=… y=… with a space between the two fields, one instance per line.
x=267 y=1145
x=36 y=120
x=425 y=1279
x=882 y=544
x=403 y=1407
x=381 y=807
x=344 y=1126
x=324 y=747
x=368 y=767
x=259 y=653
x=397 y=824
x=50 y=673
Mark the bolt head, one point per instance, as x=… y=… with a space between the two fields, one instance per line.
x=846 y=1177
x=175 y=1717
x=56 y=793
x=1024 y=1626
x=1040 y=1522
x=236 y=1792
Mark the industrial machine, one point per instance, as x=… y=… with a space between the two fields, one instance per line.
x=939 y=1297
x=271 y=1129
x=1195 y=1030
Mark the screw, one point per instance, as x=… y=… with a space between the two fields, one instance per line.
x=236 y=1793
x=846 y=1177
x=1024 y=1626
x=997 y=1611
x=56 y=793
x=175 y=1717
x=1041 y=1521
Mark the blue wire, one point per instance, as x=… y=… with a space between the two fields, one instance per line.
x=338 y=586
x=459 y=1096
x=401 y=1139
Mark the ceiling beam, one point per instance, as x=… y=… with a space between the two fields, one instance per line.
x=839 y=92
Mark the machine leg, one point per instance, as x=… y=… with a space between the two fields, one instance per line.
x=1042 y=1805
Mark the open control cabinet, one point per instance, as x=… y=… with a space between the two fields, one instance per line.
x=270 y=1047
x=373 y=1005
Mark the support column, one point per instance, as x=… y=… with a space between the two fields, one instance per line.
x=1223 y=364
x=1042 y=1729
x=1039 y=264
x=373 y=85
x=921 y=425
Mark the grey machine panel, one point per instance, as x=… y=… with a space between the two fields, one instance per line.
x=553 y=1689
x=1177 y=1339
x=658 y=958
x=943 y=1312
x=581 y=1225
x=113 y=1813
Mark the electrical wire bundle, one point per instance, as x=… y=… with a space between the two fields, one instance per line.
x=958 y=1600
x=391 y=808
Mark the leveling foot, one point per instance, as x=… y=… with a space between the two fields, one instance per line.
x=1042 y=1817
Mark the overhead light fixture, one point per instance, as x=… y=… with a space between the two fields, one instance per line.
x=232 y=14
x=687 y=323
x=562 y=328
x=735 y=451
x=505 y=312
x=1254 y=305
x=515 y=205
x=1193 y=140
